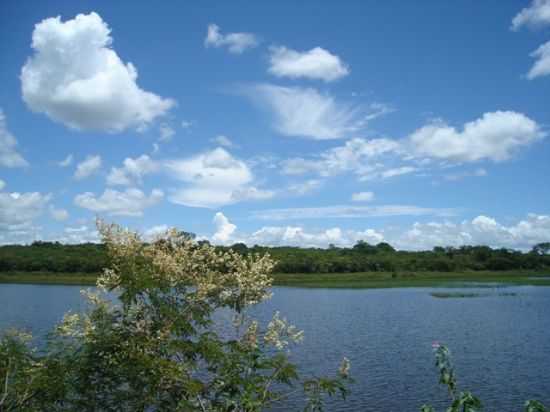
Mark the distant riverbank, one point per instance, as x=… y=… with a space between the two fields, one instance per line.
x=328 y=280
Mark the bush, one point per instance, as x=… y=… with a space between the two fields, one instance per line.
x=158 y=348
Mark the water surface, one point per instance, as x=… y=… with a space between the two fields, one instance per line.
x=500 y=343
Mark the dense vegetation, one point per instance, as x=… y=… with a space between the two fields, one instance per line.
x=363 y=257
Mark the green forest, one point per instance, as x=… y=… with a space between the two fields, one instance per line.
x=90 y=258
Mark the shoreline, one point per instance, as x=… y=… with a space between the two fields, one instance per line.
x=361 y=280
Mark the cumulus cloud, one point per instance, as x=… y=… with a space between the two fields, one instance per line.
x=131 y=202
x=77 y=235
x=17 y=214
x=298 y=236
x=356 y=155
x=9 y=157
x=76 y=78
x=66 y=162
x=213 y=178
x=495 y=136
x=542 y=64
x=59 y=214
x=536 y=15
x=226 y=233
x=316 y=63
x=155 y=231
x=345 y=211
x=236 y=43
x=482 y=230
x=132 y=171
x=224 y=229
x=87 y=167
x=362 y=196
x=305 y=112
x=2 y=184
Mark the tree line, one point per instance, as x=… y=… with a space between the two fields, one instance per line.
x=362 y=257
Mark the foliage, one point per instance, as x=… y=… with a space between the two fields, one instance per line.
x=363 y=257
x=158 y=346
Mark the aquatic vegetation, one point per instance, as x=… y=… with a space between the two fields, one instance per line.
x=446 y=295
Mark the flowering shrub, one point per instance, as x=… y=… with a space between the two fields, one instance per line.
x=156 y=348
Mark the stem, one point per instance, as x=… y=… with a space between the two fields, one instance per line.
x=5 y=396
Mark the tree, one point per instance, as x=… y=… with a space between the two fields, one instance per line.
x=541 y=248
x=158 y=348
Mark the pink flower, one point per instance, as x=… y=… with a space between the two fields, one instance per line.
x=435 y=345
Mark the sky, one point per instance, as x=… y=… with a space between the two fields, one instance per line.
x=277 y=123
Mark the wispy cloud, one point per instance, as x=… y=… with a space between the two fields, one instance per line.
x=236 y=43
x=345 y=211
x=305 y=112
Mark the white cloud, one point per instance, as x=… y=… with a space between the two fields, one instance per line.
x=226 y=234
x=236 y=43
x=542 y=64
x=9 y=157
x=304 y=188
x=17 y=214
x=362 y=197
x=87 y=167
x=481 y=230
x=298 y=236
x=77 y=235
x=213 y=178
x=166 y=132
x=459 y=176
x=76 y=78
x=155 y=231
x=345 y=211
x=224 y=229
x=536 y=15
x=2 y=184
x=222 y=140
x=59 y=214
x=132 y=171
x=316 y=63
x=495 y=136
x=186 y=124
x=355 y=155
x=66 y=162
x=251 y=193
x=307 y=113
x=131 y=202
x=377 y=172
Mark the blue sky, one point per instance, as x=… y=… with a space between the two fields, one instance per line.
x=277 y=123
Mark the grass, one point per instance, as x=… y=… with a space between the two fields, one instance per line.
x=48 y=278
x=331 y=280
x=409 y=279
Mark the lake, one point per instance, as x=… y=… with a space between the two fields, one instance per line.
x=500 y=340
